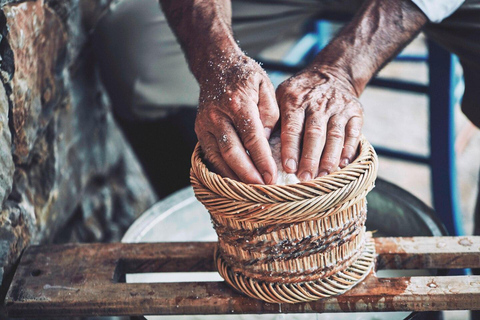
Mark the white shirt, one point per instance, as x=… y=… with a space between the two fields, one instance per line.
x=437 y=10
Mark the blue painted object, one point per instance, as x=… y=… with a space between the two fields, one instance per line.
x=443 y=82
x=442 y=98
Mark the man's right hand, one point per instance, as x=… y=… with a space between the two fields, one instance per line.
x=237 y=112
x=237 y=107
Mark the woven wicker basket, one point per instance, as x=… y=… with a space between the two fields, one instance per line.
x=293 y=243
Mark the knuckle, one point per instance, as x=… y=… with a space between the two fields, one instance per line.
x=291 y=141
x=292 y=120
x=292 y=128
x=275 y=113
x=349 y=151
x=335 y=133
x=310 y=159
x=291 y=99
x=236 y=100
x=272 y=114
x=225 y=144
x=314 y=108
x=315 y=126
x=212 y=116
x=331 y=107
x=261 y=162
x=315 y=130
x=353 y=132
x=213 y=156
x=251 y=140
x=228 y=151
x=354 y=108
x=357 y=106
x=336 y=129
x=236 y=109
x=328 y=163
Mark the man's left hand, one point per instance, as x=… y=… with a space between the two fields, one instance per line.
x=321 y=122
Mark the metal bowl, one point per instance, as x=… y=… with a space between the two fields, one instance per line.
x=392 y=211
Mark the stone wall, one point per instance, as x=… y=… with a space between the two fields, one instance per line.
x=66 y=173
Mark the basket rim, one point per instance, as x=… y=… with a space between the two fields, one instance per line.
x=365 y=152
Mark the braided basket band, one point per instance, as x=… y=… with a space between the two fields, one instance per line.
x=242 y=234
x=272 y=292
x=300 y=252
x=291 y=243
x=307 y=268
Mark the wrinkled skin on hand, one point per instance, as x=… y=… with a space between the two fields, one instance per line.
x=237 y=111
x=321 y=122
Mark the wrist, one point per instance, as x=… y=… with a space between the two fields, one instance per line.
x=341 y=78
x=220 y=64
x=211 y=60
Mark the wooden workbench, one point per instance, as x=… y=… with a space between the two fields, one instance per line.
x=88 y=279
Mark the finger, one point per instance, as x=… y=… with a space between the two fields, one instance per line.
x=234 y=154
x=353 y=131
x=313 y=143
x=292 y=126
x=213 y=157
x=333 y=145
x=267 y=107
x=252 y=134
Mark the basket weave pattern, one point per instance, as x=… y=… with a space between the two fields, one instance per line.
x=291 y=243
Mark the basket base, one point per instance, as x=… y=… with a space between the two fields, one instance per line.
x=303 y=291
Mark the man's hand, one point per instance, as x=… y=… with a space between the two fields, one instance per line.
x=321 y=123
x=237 y=107
x=322 y=99
x=237 y=111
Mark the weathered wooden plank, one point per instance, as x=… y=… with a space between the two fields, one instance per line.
x=416 y=252
x=134 y=258
x=386 y=294
x=174 y=257
x=428 y=252
x=86 y=280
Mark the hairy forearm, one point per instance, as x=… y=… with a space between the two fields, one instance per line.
x=203 y=28
x=377 y=32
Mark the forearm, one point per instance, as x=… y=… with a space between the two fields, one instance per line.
x=237 y=108
x=203 y=28
x=377 y=32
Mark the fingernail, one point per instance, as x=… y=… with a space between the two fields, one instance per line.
x=291 y=165
x=267 y=178
x=344 y=162
x=322 y=173
x=306 y=176
x=268 y=131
